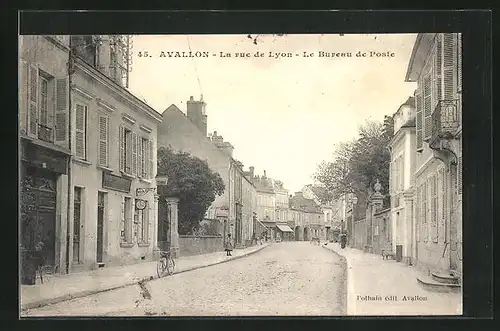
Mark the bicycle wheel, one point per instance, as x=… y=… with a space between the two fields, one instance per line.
x=170 y=265
x=161 y=267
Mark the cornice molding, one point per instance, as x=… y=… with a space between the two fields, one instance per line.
x=128 y=118
x=82 y=92
x=145 y=128
x=105 y=105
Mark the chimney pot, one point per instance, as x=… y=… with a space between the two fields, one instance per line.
x=191 y=98
x=265 y=173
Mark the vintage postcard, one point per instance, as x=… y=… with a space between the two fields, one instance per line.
x=240 y=175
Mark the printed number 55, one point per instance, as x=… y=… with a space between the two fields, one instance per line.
x=143 y=54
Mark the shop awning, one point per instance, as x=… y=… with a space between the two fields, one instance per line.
x=284 y=228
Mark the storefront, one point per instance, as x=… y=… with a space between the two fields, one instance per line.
x=43 y=200
x=285 y=232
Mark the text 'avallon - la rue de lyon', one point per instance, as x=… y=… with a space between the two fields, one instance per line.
x=274 y=55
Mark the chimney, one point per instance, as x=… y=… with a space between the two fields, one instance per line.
x=252 y=169
x=265 y=174
x=104 y=55
x=196 y=114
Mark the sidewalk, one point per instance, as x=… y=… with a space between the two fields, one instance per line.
x=59 y=288
x=379 y=287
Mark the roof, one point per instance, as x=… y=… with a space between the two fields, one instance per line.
x=410 y=123
x=419 y=52
x=298 y=202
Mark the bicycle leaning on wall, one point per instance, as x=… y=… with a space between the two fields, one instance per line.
x=165 y=265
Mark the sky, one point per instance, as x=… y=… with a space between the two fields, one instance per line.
x=283 y=115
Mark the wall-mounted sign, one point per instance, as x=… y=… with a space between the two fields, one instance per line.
x=117 y=183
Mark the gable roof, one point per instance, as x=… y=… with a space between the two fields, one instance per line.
x=298 y=202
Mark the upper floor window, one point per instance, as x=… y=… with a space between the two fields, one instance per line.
x=81 y=112
x=44 y=104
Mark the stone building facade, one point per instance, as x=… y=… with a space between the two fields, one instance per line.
x=402 y=181
x=436 y=66
x=80 y=86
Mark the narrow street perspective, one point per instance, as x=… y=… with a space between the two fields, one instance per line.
x=296 y=278
x=308 y=182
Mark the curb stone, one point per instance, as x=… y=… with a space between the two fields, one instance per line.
x=349 y=285
x=81 y=294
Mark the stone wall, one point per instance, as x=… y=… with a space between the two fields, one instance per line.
x=381 y=230
x=193 y=245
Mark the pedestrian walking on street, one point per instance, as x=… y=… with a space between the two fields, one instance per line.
x=228 y=246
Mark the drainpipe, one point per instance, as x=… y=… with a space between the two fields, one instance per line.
x=70 y=73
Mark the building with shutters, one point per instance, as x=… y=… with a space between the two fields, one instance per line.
x=44 y=146
x=113 y=206
x=436 y=66
x=402 y=182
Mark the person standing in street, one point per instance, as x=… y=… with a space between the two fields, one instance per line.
x=228 y=245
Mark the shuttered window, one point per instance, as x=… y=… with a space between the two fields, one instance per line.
x=44 y=101
x=127 y=147
x=449 y=65
x=438 y=68
x=459 y=60
x=23 y=97
x=419 y=120
x=80 y=131
x=62 y=107
x=433 y=208
x=152 y=167
x=134 y=153
x=459 y=174
x=33 y=85
x=418 y=220
x=427 y=81
x=140 y=157
x=103 y=140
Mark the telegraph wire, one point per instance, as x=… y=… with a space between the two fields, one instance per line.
x=195 y=68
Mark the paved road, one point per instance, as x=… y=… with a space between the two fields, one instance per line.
x=295 y=278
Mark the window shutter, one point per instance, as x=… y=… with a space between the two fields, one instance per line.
x=459 y=175
x=439 y=66
x=51 y=106
x=128 y=152
x=434 y=233
x=418 y=119
x=441 y=204
x=121 y=137
x=80 y=131
x=427 y=107
x=459 y=60
x=33 y=101
x=62 y=107
x=151 y=159
x=23 y=97
x=103 y=140
x=391 y=174
x=134 y=153
x=140 y=157
x=449 y=65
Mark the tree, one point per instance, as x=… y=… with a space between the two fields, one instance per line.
x=193 y=182
x=359 y=163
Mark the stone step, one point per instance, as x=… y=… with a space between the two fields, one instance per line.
x=444 y=278
x=431 y=285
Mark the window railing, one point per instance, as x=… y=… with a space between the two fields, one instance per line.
x=445 y=120
x=45 y=133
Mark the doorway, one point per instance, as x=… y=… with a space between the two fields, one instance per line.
x=306 y=234
x=38 y=212
x=297 y=234
x=100 y=227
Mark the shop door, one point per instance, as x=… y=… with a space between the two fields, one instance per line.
x=100 y=227
x=38 y=212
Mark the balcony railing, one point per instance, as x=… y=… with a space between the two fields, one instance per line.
x=445 y=120
x=45 y=133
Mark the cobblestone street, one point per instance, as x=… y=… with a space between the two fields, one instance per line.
x=295 y=278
